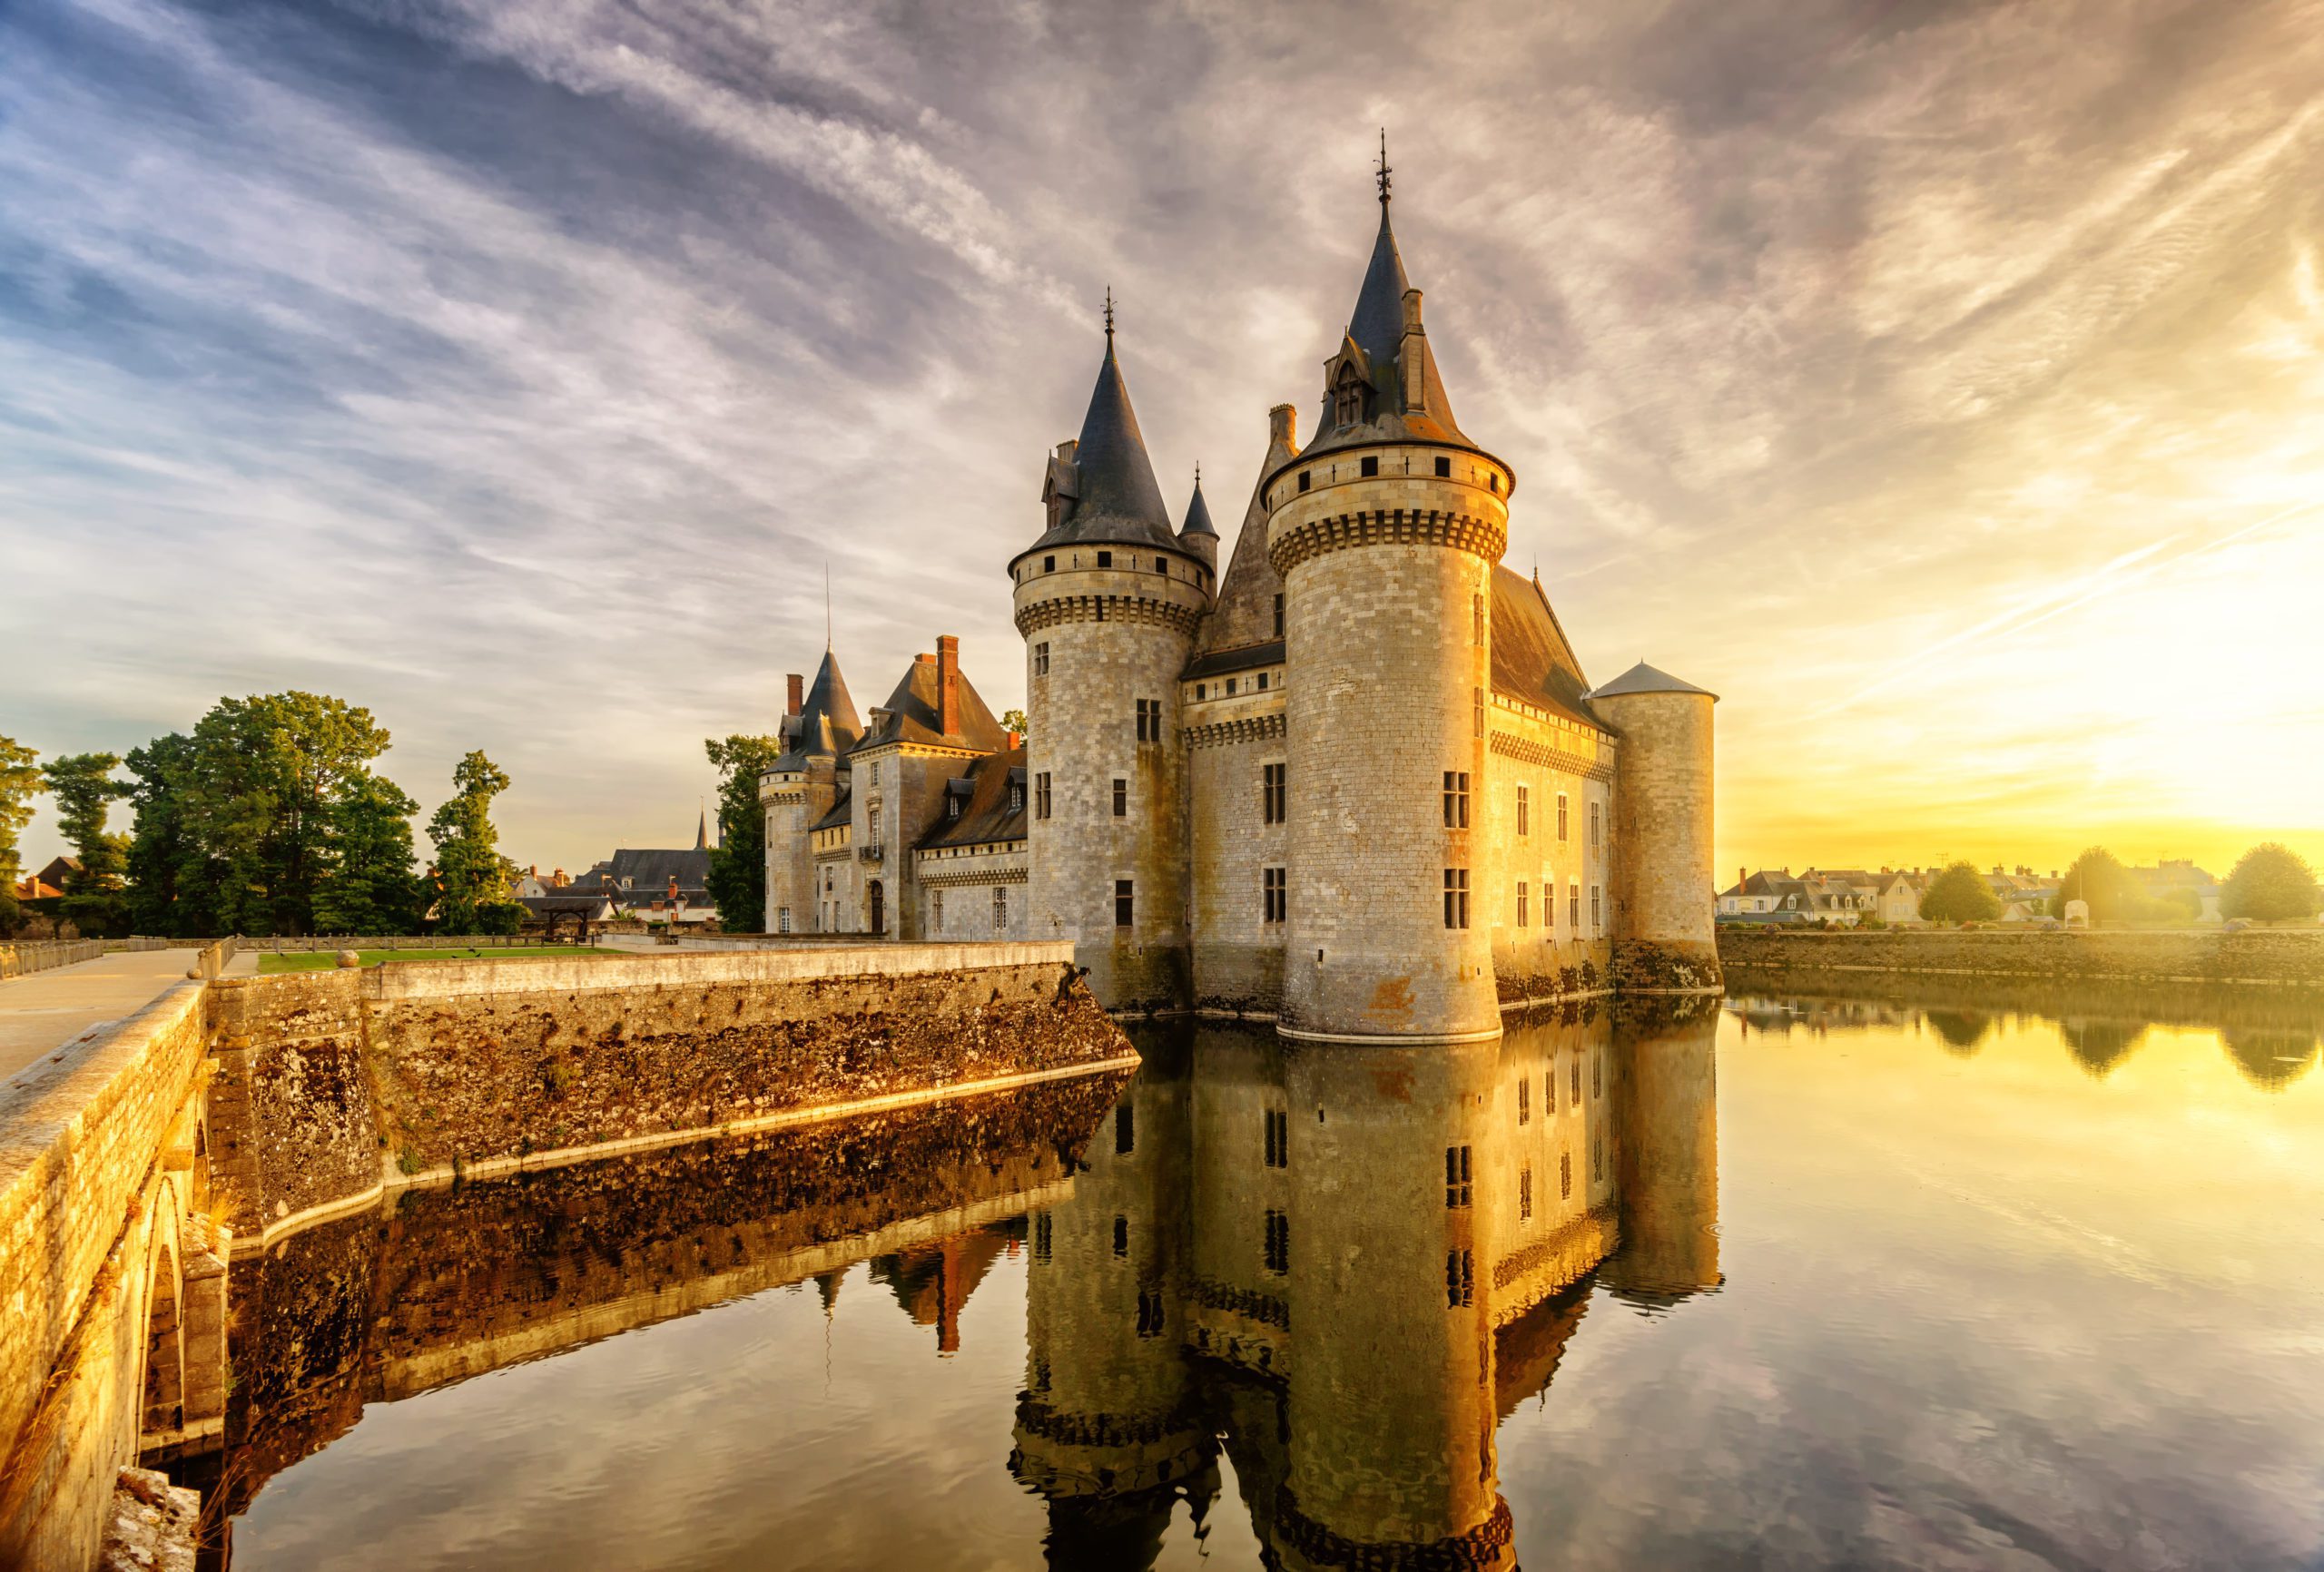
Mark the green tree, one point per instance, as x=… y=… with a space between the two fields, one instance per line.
x=167 y=894
x=96 y=899
x=1959 y=894
x=2271 y=883
x=2098 y=877
x=1015 y=721
x=737 y=879
x=19 y=784
x=369 y=887
x=471 y=875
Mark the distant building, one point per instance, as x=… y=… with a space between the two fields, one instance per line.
x=2170 y=875
x=657 y=885
x=1846 y=896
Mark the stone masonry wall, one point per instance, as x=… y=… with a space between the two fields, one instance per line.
x=340 y=1083
x=1237 y=953
x=2263 y=957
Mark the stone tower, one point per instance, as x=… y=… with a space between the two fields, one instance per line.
x=800 y=788
x=1661 y=868
x=1108 y=599
x=1385 y=530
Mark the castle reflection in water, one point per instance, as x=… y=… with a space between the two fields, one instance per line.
x=1344 y=1267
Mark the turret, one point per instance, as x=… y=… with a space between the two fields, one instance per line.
x=1667 y=1049
x=1108 y=599
x=1385 y=530
x=1196 y=537
x=798 y=789
x=1664 y=910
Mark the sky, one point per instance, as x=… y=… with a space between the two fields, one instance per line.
x=1941 y=385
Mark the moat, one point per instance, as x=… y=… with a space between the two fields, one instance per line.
x=1959 y=1278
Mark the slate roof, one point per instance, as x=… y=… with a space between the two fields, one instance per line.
x=1242 y=659
x=649 y=873
x=1645 y=678
x=841 y=812
x=1115 y=499
x=563 y=903
x=1198 y=520
x=985 y=815
x=1375 y=335
x=910 y=715
x=1244 y=614
x=1531 y=660
x=826 y=725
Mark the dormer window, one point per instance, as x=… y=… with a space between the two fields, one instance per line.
x=1347 y=396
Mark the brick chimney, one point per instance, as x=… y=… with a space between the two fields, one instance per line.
x=948 y=685
x=1282 y=425
x=798 y=693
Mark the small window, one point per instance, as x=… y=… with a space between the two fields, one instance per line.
x=951 y=805
x=1460 y=1279
x=1271 y=794
x=1573 y=907
x=1198 y=692
x=1594 y=917
x=1274 y=898
x=1525 y=1102
x=1303 y=478
x=1016 y=799
x=1476 y=619
x=1121 y=798
x=1278 y=1138
x=1125 y=1129
x=1048 y=564
x=1521 y=903
x=1042 y=659
x=1593 y=823
x=999 y=908
x=1278 y=616
x=1478 y=718
x=1123 y=911
x=1263 y=682
x=1456 y=799
x=936 y=911
x=1230 y=687
x=1492 y=482
x=1456 y=898
x=1565 y=1175
x=1278 y=1243
x=1456 y=1178
x=1524 y=810
x=1105 y=559
x=1161 y=564
x=1444 y=467
x=1562 y=815
x=1525 y=1192
x=1550 y=1091
x=1041 y=795
x=1370 y=467
x=1121 y=1236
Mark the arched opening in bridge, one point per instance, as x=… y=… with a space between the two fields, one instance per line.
x=164 y=1345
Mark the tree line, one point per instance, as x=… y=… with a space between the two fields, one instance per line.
x=2270 y=883
x=267 y=818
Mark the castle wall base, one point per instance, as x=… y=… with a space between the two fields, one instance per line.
x=1666 y=967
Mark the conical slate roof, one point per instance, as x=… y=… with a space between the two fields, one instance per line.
x=1644 y=679
x=1374 y=341
x=826 y=725
x=1198 y=515
x=1115 y=500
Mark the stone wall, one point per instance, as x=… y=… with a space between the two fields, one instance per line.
x=1237 y=953
x=2255 y=957
x=335 y=1086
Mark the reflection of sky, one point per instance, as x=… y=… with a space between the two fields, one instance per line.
x=1980 y=1311
x=1939 y=384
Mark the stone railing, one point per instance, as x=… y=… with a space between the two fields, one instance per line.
x=306 y=944
x=18 y=959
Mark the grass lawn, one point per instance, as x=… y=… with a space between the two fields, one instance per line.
x=325 y=959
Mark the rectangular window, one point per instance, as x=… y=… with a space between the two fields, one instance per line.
x=1278 y=1247
x=1198 y=692
x=1042 y=659
x=1479 y=718
x=783 y=920
x=1161 y=564
x=1443 y=469
x=1044 y=1238
x=1125 y=1129
x=1456 y=1177
x=1303 y=478
x=1276 y=895
x=1149 y=720
x=1041 y=795
x=1521 y=903
x=1121 y=798
x=1550 y=1091
x=1016 y=798
x=1122 y=911
x=1278 y=616
x=1524 y=810
x=1573 y=907
x=1456 y=799
x=1595 y=920
x=999 y=908
x=1525 y=1102
x=1271 y=798
x=1573 y=1079
x=872 y=825
x=1278 y=1124
x=1230 y=687
x=1525 y=1192
x=1596 y=1076
x=1263 y=682
x=1476 y=619
x=1105 y=559
x=1048 y=564
x=1562 y=809
x=1593 y=823
x=1370 y=467
x=951 y=805
x=1456 y=898
x=1565 y=1175
x=1460 y=1279
x=1121 y=1236
x=936 y=911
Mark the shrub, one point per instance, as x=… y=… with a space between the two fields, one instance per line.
x=2271 y=883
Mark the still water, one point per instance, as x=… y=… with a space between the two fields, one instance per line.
x=1787 y=1282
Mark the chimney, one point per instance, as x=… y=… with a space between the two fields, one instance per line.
x=948 y=685
x=1742 y=877
x=798 y=693
x=1016 y=740
x=1411 y=357
x=1282 y=425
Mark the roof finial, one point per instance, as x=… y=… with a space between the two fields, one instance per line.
x=1109 y=316
x=1385 y=169
x=1197 y=474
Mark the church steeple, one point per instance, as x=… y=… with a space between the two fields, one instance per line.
x=1102 y=488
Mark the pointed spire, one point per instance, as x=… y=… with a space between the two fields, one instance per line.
x=702 y=828
x=827 y=724
x=1109 y=318
x=1197 y=513
x=1385 y=169
x=1382 y=332
x=1117 y=498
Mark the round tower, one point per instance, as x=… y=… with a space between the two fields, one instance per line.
x=1106 y=600
x=1663 y=882
x=1385 y=530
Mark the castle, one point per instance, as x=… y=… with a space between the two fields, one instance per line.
x=1357 y=782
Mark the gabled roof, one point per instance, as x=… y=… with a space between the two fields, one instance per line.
x=826 y=725
x=1375 y=344
x=1114 y=498
x=1243 y=612
x=1531 y=660
x=985 y=812
x=649 y=872
x=909 y=716
x=1645 y=678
